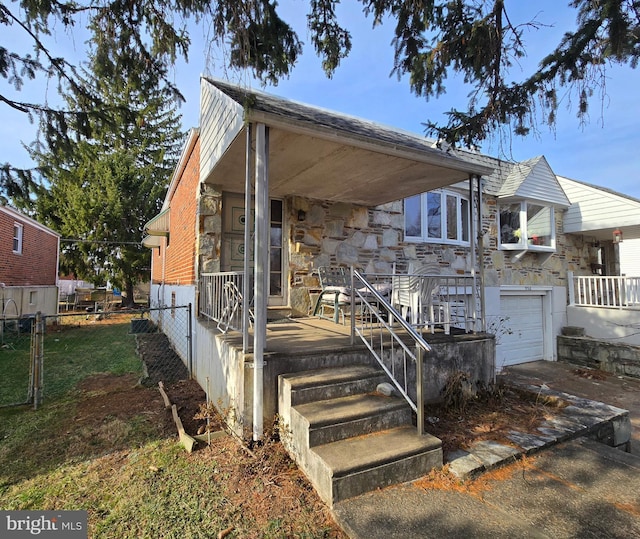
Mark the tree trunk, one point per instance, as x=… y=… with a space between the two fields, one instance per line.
x=127 y=298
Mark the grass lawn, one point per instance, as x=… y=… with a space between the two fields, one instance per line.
x=103 y=443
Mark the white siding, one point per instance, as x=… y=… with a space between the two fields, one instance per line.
x=221 y=119
x=534 y=180
x=595 y=209
x=541 y=185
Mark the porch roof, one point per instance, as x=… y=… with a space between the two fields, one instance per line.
x=598 y=211
x=326 y=155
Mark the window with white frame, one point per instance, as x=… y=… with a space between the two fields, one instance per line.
x=527 y=226
x=18 y=230
x=437 y=216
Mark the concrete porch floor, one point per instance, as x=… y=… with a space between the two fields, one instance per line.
x=300 y=335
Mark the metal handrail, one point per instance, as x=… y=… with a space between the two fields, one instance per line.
x=375 y=327
x=213 y=303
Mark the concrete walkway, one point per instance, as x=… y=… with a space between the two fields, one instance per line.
x=577 y=488
x=619 y=391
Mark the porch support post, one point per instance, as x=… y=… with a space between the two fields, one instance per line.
x=478 y=239
x=261 y=265
x=248 y=228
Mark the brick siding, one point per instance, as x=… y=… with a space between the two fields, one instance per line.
x=37 y=264
x=180 y=253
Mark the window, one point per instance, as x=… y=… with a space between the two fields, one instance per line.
x=437 y=216
x=527 y=226
x=33 y=297
x=18 y=230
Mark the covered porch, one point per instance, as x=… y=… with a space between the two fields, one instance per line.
x=264 y=149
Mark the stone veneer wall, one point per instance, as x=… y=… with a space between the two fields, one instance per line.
x=370 y=239
x=210 y=229
x=323 y=233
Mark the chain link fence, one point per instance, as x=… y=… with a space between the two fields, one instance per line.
x=45 y=356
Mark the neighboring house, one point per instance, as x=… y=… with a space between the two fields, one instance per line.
x=29 y=254
x=334 y=190
x=606 y=304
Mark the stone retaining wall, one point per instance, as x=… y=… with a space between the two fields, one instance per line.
x=616 y=358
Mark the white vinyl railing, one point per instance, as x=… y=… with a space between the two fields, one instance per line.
x=613 y=292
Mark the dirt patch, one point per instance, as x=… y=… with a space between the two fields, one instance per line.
x=161 y=361
x=128 y=395
x=489 y=416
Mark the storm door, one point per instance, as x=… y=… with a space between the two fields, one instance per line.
x=232 y=255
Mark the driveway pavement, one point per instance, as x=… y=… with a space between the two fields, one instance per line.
x=578 y=488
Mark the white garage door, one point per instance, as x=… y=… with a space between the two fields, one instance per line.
x=525 y=342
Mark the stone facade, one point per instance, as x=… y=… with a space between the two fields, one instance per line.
x=372 y=240
x=210 y=229
x=322 y=233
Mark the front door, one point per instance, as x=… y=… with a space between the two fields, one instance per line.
x=232 y=255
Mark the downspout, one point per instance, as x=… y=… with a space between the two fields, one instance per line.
x=248 y=227
x=162 y=251
x=261 y=255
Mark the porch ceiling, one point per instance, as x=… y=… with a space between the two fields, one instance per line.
x=630 y=231
x=331 y=166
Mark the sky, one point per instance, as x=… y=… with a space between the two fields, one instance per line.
x=604 y=152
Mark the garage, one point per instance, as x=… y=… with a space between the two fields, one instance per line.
x=525 y=325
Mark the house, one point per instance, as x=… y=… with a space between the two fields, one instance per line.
x=327 y=189
x=29 y=254
x=606 y=304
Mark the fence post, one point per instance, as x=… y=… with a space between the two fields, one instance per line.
x=35 y=388
x=189 y=341
x=572 y=292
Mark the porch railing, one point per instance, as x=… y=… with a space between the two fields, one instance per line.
x=220 y=298
x=612 y=292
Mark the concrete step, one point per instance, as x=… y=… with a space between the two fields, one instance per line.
x=353 y=466
x=346 y=437
x=333 y=382
x=322 y=384
x=336 y=419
